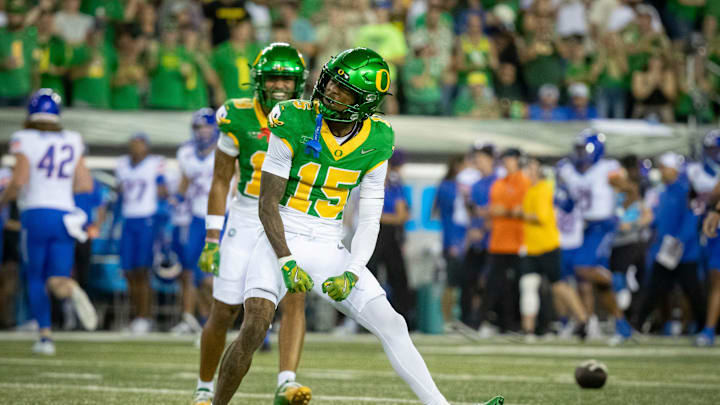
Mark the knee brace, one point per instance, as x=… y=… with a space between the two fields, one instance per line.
x=529 y=294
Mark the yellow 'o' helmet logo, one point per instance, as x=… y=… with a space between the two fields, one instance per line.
x=382 y=80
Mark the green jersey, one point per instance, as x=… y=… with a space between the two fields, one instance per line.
x=244 y=121
x=18 y=46
x=167 y=84
x=49 y=53
x=320 y=186
x=196 y=91
x=233 y=68
x=93 y=89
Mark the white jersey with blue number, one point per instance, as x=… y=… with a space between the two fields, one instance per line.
x=701 y=180
x=52 y=157
x=592 y=190
x=199 y=172
x=571 y=226
x=139 y=185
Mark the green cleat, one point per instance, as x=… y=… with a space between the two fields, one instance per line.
x=292 y=393
x=498 y=400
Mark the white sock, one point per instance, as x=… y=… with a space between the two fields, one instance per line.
x=380 y=318
x=210 y=385
x=286 y=375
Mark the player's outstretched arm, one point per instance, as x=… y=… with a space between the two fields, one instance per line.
x=83 y=182
x=712 y=220
x=20 y=176
x=223 y=171
x=272 y=188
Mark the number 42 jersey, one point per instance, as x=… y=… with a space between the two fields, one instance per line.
x=52 y=157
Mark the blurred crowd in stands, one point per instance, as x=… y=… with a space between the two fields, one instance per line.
x=549 y=60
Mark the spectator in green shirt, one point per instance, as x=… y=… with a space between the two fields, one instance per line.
x=474 y=52
x=388 y=40
x=91 y=70
x=541 y=62
x=476 y=99
x=51 y=57
x=232 y=60
x=641 y=40
x=16 y=47
x=712 y=18
x=681 y=15
x=610 y=73
x=202 y=77
x=422 y=82
x=128 y=75
x=169 y=67
x=578 y=67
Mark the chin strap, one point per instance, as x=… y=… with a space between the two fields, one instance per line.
x=313 y=147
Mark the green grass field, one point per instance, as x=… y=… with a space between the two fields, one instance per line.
x=160 y=369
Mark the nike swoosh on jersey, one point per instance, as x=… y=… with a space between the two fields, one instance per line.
x=363 y=151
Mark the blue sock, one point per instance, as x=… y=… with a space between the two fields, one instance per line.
x=708 y=331
x=45 y=339
x=39 y=302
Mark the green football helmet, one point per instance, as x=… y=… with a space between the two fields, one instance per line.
x=278 y=59
x=361 y=71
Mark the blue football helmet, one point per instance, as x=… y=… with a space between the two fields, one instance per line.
x=589 y=148
x=44 y=105
x=205 y=131
x=711 y=147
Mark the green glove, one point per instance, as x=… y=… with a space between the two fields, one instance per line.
x=296 y=279
x=338 y=288
x=210 y=258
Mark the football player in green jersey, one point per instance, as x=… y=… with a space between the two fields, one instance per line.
x=318 y=152
x=279 y=74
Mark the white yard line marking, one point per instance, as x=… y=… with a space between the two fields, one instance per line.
x=571 y=351
x=72 y=376
x=186 y=393
x=189 y=372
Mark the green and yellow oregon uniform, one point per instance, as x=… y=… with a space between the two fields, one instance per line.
x=320 y=186
x=246 y=124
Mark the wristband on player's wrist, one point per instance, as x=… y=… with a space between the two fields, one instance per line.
x=212 y=240
x=284 y=260
x=214 y=222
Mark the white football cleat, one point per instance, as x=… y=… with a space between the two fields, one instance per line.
x=84 y=309
x=140 y=326
x=203 y=396
x=45 y=348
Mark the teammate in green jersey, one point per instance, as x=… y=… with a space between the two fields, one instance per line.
x=279 y=73
x=318 y=152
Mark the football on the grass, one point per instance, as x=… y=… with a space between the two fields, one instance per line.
x=591 y=374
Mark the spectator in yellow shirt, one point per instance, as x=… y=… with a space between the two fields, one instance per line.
x=542 y=245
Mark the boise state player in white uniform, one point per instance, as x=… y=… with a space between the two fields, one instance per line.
x=590 y=179
x=49 y=169
x=141 y=182
x=704 y=178
x=196 y=160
